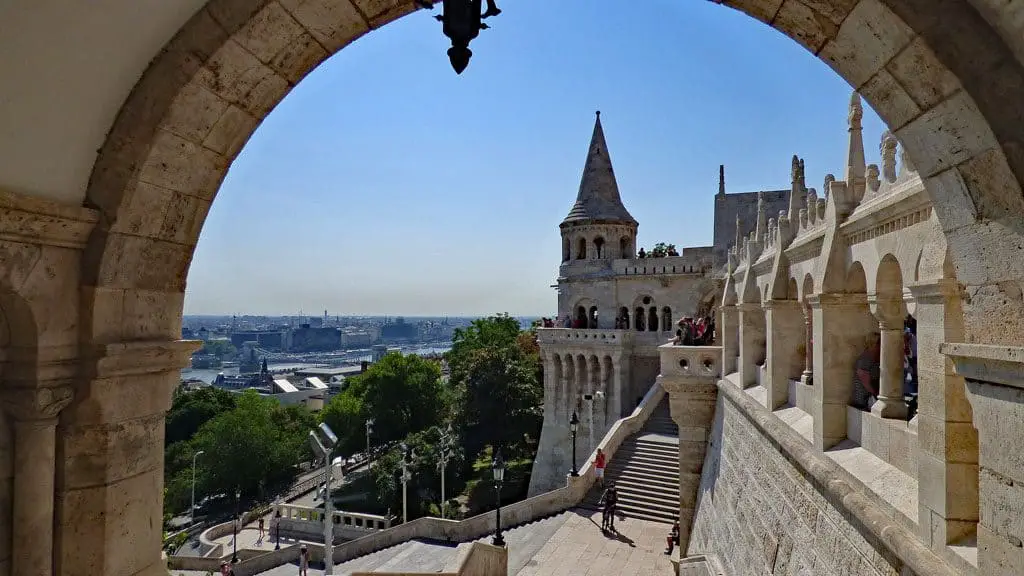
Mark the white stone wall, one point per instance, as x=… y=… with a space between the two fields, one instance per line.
x=758 y=515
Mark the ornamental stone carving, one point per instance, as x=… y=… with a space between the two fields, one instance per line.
x=35 y=403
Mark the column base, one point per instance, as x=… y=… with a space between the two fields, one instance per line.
x=807 y=378
x=892 y=408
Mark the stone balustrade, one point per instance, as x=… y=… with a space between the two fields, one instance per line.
x=584 y=336
x=703 y=361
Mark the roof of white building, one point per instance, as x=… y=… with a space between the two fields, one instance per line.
x=314 y=382
x=284 y=385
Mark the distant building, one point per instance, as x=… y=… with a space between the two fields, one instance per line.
x=306 y=338
x=399 y=330
x=266 y=339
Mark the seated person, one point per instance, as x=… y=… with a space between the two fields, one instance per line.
x=673 y=538
x=866 y=375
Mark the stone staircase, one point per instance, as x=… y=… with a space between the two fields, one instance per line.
x=645 y=470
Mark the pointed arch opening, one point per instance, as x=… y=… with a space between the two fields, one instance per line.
x=622 y=322
x=599 y=247
x=581 y=249
x=666 y=319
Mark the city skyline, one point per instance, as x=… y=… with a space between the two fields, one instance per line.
x=390 y=204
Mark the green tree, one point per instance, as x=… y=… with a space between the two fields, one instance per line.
x=219 y=348
x=255 y=447
x=344 y=414
x=424 y=486
x=191 y=409
x=403 y=394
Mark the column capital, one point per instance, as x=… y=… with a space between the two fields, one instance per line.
x=835 y=300
x=749 y=307
x=1003 y=365
x=33 y=404
x=889 y=309
x=781 y=304
x=140 y=357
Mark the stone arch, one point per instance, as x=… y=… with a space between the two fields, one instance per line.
x=807 y=287
x=592 y=317
x=581 y=316
x=599 y=248
x=557 y=384
x=792 y=292
x=566 y=249
x=625 y=248
x=581 y=248
x=652 y=319
x=666 y=319
x=624 y=317
x=639 y=319
x=889 y=278
x=570 y=383
x=856 y=281
x=582 y=377
x=594 y=383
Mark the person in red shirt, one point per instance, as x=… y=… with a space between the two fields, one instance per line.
x=599 y=463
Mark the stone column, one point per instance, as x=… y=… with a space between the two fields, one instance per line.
x=729 y=328
x=34 y=414
x=890 y=312
x=110 y=459
x=617 y=384
x=841 y=325
x=995 y=389
x=807 y=378
x=786 y=330
x=947 y=438
x=752 y=342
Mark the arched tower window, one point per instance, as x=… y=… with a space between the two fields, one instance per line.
x=623 y=323
x=640 y=317
x=599 y=247
x=592 y=317
x=566 y=249
x=581 y=249
x=652 y=320
x=624 y=248
x=581 y=317
x=666 y=319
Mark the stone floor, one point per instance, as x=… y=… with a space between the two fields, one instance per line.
x=569 y=544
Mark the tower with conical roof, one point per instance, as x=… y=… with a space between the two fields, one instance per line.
x=598 y=226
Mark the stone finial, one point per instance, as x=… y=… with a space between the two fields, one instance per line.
x=721 y=179
x=821 y=209
x=794 y=172
x=761 y=217
x=873 y=182
x=739 y=234
x=856 y=112
x=803 y=178
x=796 y=191
x=773 y=229
x=803 y=218
x=812 y=205
x=905 y=161
x=888 y=150
x=829 y=179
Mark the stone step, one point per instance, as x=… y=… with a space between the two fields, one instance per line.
x=667 y=451
x=645 y=468
x=653 y=460
x=652 y=484
x=649 y=498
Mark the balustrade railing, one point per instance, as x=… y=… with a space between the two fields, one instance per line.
x=583 y=336
x=356 y=520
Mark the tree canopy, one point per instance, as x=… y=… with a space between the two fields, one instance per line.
x=191 y=409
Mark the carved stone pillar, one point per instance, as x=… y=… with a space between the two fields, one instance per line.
x=752 y=342
x=110 y=459
x=33 y=412
x=890 y=312
x=807 y=378
x=841 y=325
x=729 y=328
x=947 y=437
x=995 y=389
x=785 y=332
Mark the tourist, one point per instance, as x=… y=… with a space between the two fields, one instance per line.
x=260 y=539
x=673 y=538
x=224 y=569
x=567 y=322
x=610 y=498
x=599 y=463
x=910 y=356
x=642 y=254
x=866 y=375
x=303 y=561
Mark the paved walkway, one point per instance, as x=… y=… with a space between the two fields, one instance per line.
x=570 y=544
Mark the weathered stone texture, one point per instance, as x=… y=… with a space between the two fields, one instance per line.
x=758 y=514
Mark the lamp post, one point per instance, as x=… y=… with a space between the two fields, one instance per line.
x=234 y=528
x=498 y=468
x=407 y=456
x=277 y=524
x=192 y=510
x=574 y=422
x=323 y=441
x=446 y=452
x=462 y=22
x=369 y=429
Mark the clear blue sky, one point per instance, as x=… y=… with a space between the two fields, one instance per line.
x=386 y=184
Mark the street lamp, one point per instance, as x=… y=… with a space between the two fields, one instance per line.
x=234 y=528
x=407 y=456
x=446 y=452
x=462 y=22
x=192 y=510
x=277 y=524
x=574 y=422
x=369 y=429
x=323 y=445
x=498 y=468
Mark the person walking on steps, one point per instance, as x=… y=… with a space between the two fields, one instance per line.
x=610 y=498
x=599 y=464
x=304 y=561
x=673 y=538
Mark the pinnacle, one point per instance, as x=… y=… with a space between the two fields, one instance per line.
x=598 y=197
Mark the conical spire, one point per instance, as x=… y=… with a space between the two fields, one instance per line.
x=598 y=198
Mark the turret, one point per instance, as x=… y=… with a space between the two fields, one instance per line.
x=598 y=226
